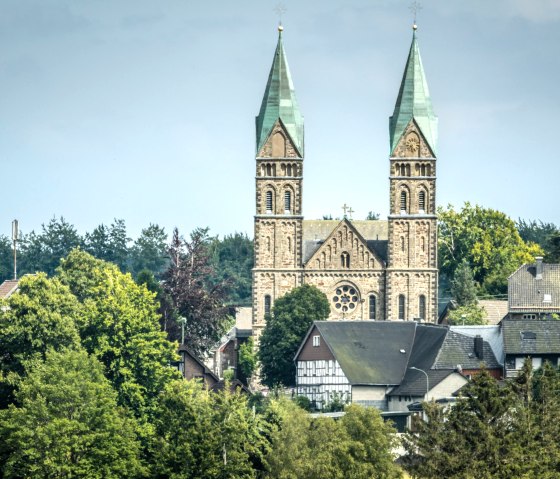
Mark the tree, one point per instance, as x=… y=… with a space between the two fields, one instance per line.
x=186 y=281
x=43 y=252
x=488 y=240
x=358 y=446
x=67 y=424
x=41 y=317
x=541 y=233
x=469 y=315
x=372 y=216
x=120 y=327
x=6 y=258
x=149 y=251
x=206 y=435
x=463 y=286
x=232 y=264
x=292 y=316
x=247 y=360
x=109 y=243
x=553 y=255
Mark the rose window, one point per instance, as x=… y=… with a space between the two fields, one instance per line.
x=412 y=144
x=345 y=298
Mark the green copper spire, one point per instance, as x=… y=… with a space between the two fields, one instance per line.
x=414 y=102
x=279 y=102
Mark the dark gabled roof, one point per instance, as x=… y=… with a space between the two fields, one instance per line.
x=526 y=336
x=183 y=348
x=234 y=386
x=458 y=350
x=414 y=383
x=369 y=352
x=528 y=293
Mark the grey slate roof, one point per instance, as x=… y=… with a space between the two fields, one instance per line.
x=369 y=352
x=528 y=293
x=458 y=349
x=526 y=336
x=315 y=232
x=496 y=309
x=490 y=333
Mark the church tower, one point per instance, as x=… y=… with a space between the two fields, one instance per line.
x=412 y=274
x=279 y=178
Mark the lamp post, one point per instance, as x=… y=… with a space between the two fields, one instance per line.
x=427 y=379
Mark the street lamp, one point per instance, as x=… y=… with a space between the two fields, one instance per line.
x=427 y=379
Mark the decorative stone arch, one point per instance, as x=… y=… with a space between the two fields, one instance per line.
x=269 y=199
x=403 y=199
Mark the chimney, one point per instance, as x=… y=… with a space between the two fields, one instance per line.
x=538 y=274
x=479 y=346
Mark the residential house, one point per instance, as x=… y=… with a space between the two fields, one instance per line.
x=494 y=311
x=387 y=364
x=534 y=291
x=8 y=287
x=536 y=339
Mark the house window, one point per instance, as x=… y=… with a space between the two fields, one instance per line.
x=288 y=201
x=267 y=304
x=372 y=306
x=269 y=202
x=316 y=341
x=402 y=309
x=422 y=201
x=422 y=307
x=403 y=202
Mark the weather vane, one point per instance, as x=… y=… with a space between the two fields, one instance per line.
x=415 y=7
x=280 y=9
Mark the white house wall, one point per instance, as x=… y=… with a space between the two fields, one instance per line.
x=370 y=396
x=321 y=380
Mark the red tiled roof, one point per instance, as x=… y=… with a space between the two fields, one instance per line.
x=7 y=288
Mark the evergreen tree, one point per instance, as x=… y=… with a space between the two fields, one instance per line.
x=149 y=251
x=6 y=258
x=292 y=316
x=463 y=286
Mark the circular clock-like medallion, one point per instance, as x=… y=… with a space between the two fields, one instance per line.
x=345 y=298
x=412 y=144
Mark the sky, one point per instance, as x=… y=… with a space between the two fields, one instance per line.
x=145 y=110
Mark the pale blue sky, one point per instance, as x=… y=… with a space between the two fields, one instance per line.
x=144 y=110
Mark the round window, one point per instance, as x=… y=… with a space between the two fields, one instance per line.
x=345 y=298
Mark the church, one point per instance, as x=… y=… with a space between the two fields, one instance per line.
x=369 y=270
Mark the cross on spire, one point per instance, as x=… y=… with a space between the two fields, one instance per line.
x=280 y=9
x=415 y=7
x=350 y=211
x=345 y=208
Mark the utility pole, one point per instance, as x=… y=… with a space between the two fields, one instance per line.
x=15 y=234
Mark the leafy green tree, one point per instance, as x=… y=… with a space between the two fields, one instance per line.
x=463 y=286
x=488 y=240
x=186 y=281
x=42 y=316
x=247 y=359
x=232 y=264
x=149 y=251
x=206 y=435
x=6 y=259
x=67 y=424
x=120 y=327
x=292 y=316
x=468 y=315
x=43 y=251
x=372 y=216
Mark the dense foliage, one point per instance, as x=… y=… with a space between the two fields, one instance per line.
x=487 y=240
x=494 y=431
x=291 y=318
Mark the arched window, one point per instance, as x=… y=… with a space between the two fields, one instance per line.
x=422 y=307
x=278 y=145
x=422 y=201
x=268 y=169
x=423 y=170
x=402 y=307
x=287 y=201
x=403 y=202
x=269 y=202
x=267 y=302
x=345 y=260
x=407 y=170
x=289 y=170
x=372 y=306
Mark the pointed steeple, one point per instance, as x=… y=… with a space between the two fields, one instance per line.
x=414 y=102
x=279 y=102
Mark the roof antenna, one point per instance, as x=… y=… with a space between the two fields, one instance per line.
x=415 y=7
x=15 y=237
x=280 y=9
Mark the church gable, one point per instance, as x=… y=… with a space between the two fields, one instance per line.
x=279 y=144
x=344 y=249
x=412 y=143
